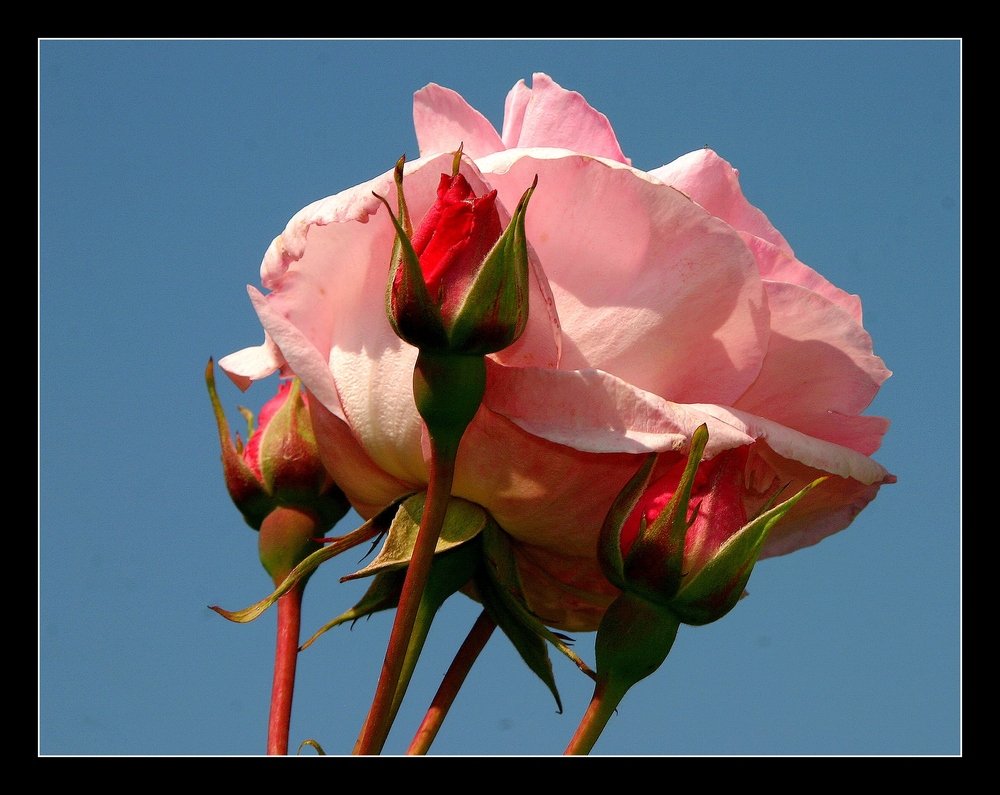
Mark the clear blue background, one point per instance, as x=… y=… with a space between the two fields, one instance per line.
x=166 y=168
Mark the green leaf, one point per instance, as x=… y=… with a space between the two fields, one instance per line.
x=382 y=594
x=498 y=585
x=463 y=521
x=374 y=527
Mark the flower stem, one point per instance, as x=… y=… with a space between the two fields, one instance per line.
x=607 y=696
x=377 y=725
x=285 y=657
x=474 y=643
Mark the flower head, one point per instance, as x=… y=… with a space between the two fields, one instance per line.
x=657 y=302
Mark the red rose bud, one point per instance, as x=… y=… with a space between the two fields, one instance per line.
x=686 y=543
x=277 y=479
x=459 y=284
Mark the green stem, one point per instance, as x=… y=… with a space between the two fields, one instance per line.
x=452 y=683
x=285 y=658
x=607 y=696
x=379 y=721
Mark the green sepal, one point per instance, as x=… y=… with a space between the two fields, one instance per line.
x=707 y=595
x=633 y=640
x=290 y=465
x=654 y=565
x=502 y=565
x=498 y=587
x=382 y=594
x=494 y=310
x=246 y=491
x=464 y=520
x=376 y=526
x=609 y=542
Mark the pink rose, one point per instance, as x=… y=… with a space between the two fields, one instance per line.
x=658 y=301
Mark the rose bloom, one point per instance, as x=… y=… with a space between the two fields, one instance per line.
x=658 y=301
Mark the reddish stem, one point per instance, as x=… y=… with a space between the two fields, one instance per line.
x=607 y=697
x=376 y=728
x=452 y=683
x=285 y=657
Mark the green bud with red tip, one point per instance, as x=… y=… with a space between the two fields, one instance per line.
x=684 y=541
x=459 y=283
x=277 y=480
x=681 y=550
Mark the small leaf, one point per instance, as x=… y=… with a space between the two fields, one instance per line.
x=382 y=594
x=463 y=521
x=311 y=744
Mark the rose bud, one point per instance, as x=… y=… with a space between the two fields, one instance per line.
x=459 y=283
x=277 y=479
x=686 y=543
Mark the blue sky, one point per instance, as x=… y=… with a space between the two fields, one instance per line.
x=165 y=170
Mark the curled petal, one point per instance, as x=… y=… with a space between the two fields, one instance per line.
x=819 y=372
x=444 y=121
x=820 y=455
x=298 y=350
x=252 y=364
x=548 y=115
x=596 y=412
x=825 y=510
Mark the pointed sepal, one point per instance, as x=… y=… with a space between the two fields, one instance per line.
x=713 y=590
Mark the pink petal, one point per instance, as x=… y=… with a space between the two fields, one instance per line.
x=299 y=352
x=568 y=592
x=555 y=117
x=252 y=364
x=778 y=266
x=817 y=454
x=819 y=371
x=715 y=185
x=827 y=509
x=443 y=120
x=648 y=285
x=368 y=487
x=595 y=412
x=513 y=113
